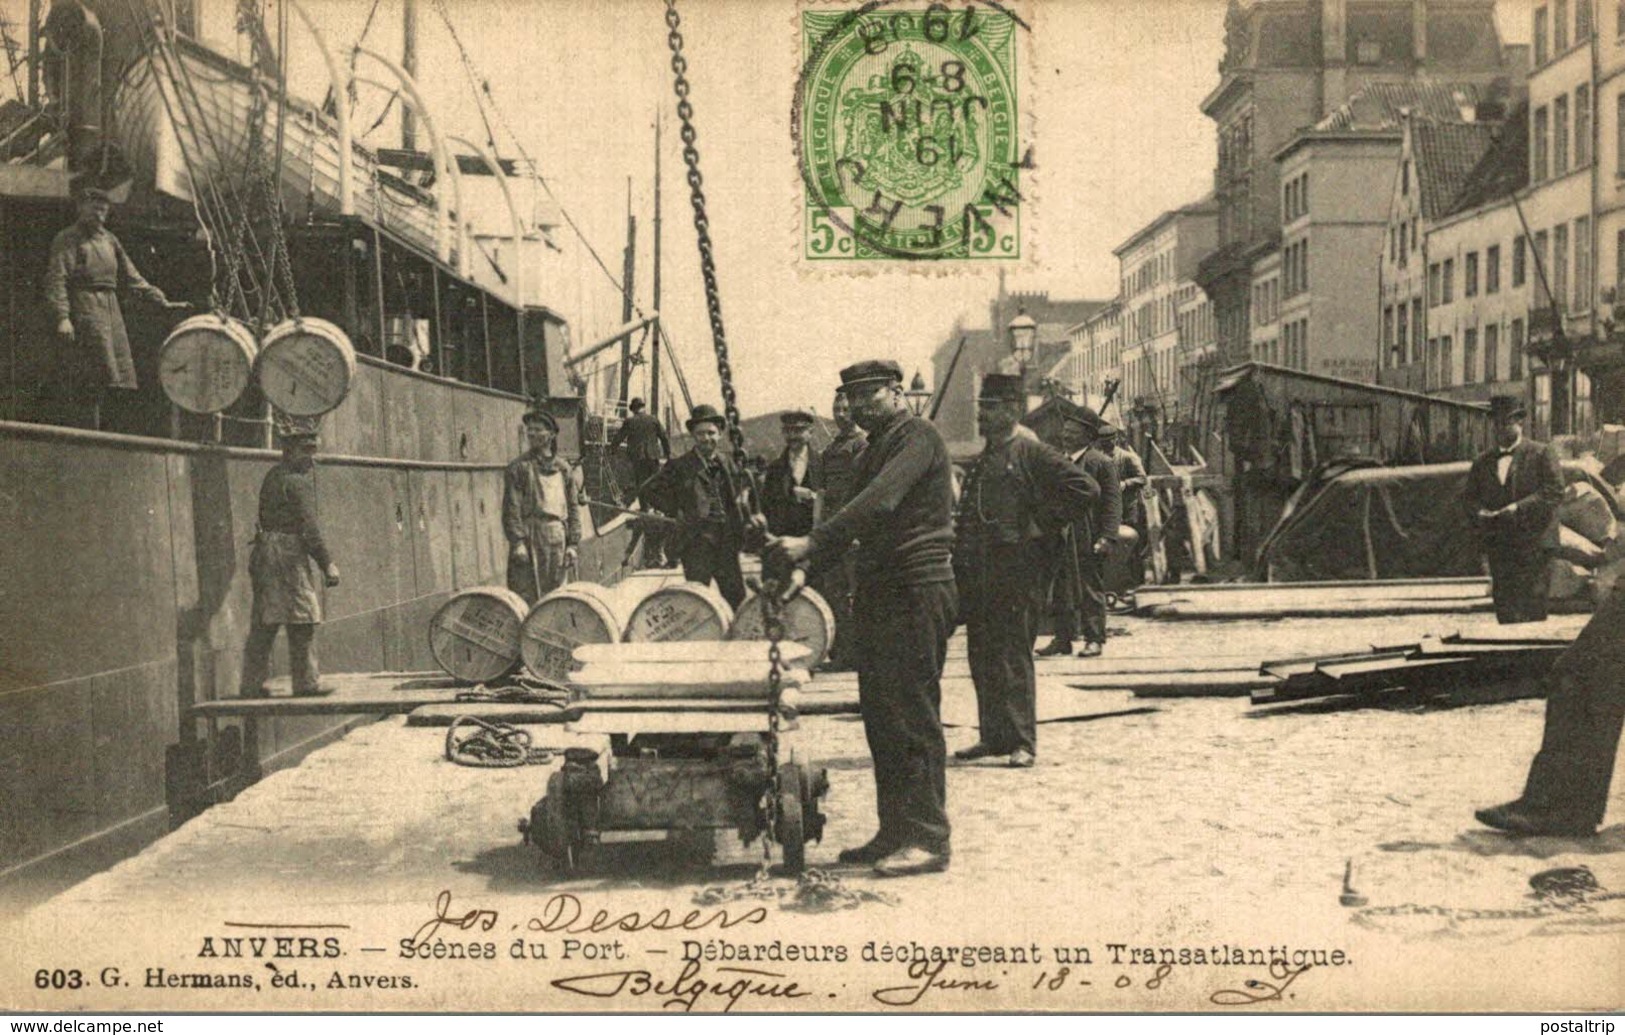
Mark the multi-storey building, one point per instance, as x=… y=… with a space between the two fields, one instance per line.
x=1157 y=269
x=1455 y=270
x=1289 y=64
x=1095 y=358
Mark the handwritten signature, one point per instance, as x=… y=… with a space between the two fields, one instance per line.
x=565 y=914
x=686 y=990
x=1281 y=977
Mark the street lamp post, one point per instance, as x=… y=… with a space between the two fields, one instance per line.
x=918 y=396
x=1023 y=331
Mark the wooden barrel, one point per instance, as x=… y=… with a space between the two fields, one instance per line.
x=475 y=635
x=807 y=621
x=206 y=363
x=574 y=614
x=684 y=611
x=306 y=367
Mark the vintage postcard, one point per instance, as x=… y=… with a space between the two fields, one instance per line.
x=812 y=505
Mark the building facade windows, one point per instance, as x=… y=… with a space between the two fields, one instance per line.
x=1582 y=125
x=1449 y=277
x=1543 y=270
x=1469 y=273
x=1582 y=20
x=1560 y=136
x=1518 y=271
x=1469 y=355
x=1492 y=350
x=1515 y=351
x=1560 y=27
x=1492 y=269
x=1447 y=364
x=1560 y=264
x=1416 y=330
x=1541 y=129
x=1388 y=353
x=1435 y=292
x=1542 y=46
x=1582 y=264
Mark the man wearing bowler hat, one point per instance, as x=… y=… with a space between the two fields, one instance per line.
x=711 y=503
x=792 y=482
x=1512 y=495
x=285 y=586
x=540 y=514
x=87 y=270
x=1015 y=501
x=646 y=446
x=901 y=515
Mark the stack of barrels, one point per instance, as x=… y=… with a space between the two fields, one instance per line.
x=488 y=632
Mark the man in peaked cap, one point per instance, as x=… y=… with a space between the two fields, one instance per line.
x=1015 y=501
x=285 y=587
x=795 y=477
x=647 y=445
x=87 y=269
x=541 y=516
x=712 y=505
x=901 y=515
x=1512 y=495
x=1078 y=589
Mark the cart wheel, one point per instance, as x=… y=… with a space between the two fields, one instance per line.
x=790 y=833
x=557 y=836
x=1120 y=603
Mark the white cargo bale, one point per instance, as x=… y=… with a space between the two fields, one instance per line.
x=475 y=635
x=685 y=611
x=1584 y=510
x=574 y=614
x=1572 y=546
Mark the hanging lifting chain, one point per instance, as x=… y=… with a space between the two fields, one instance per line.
x=772 y=606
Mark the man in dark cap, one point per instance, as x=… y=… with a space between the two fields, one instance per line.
x=285 y=587
x=834 y=577
x=1015 y=501
x=540 y=512
x=1512 y=495
x=87 y=269
x=712 y=505
x=1131 y=484
x=1078 y=589
x=900 y=514
x=791 y=485
x=647 y=445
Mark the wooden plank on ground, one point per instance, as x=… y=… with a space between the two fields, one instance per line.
x=355 y=693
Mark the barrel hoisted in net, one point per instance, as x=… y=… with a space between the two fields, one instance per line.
x=306 y=367
x=808 y=621
x=574 y=614
x=206 y=363
x=684 y=611
x=475 y=634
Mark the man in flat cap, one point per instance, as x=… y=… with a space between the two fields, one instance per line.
x=1132 y=484
x=711 y=502
x=901 y=515
x=1016 y=499
x=1078 y=589
x=285 y=587
x=646 y=445
x=84 y=275
x=540 y=512
x=835 y=577
x=1512 y=495
x=793 y=480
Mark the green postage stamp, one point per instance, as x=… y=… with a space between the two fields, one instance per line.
x=908 y=132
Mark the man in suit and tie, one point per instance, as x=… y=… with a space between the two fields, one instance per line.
x=646 y=446
x=711 y=501
x=794 y=478
x=1078 y=582
x=1512 y=494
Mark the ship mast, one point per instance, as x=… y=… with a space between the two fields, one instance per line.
x=409 y=62
x=628 y=272
x=654 y=351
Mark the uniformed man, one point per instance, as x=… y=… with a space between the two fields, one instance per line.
x=903 y=610
x=712 y=505
x=87 y=269
x=791 y=484
x=540 y=513
x=1015 y=501
x=286 y=591
x=1078 y=587
x=647 y=446
x=1512 y=495
x=834 y=578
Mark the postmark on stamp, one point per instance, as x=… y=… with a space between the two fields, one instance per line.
x=908 y=131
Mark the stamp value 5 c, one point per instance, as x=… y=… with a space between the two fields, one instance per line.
x=907 y=133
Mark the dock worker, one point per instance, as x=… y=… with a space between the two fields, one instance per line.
x=1512 y=495
x=1566 y=793
x=1132 y=483
x=288 y=558
x=712 y=504
x=1017 y=497
x=647 y=446
x=834 y=578
x=901 y=515
x=793 y=479
x=541 y=516
x=87 y=269
x=1078 y=586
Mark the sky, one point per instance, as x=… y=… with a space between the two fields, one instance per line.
x=1118 y=137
